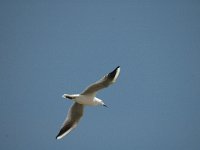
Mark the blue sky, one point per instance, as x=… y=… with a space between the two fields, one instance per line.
x=55 y=47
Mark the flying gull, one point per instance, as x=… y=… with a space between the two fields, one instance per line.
x=87 y=97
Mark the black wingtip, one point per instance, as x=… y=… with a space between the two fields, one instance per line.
x=117 y=67
x=115 y=70
x=113 y=73
x=57 y=136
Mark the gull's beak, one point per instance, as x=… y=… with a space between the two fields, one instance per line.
x=105 y=105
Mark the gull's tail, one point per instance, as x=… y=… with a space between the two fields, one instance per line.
x=69 y=96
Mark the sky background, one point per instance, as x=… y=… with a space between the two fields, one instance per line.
x=55 y=47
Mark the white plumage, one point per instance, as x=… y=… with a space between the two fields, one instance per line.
x=87 y=97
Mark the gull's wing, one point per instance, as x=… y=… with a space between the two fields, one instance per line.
x=103 y=82
x=74 y=115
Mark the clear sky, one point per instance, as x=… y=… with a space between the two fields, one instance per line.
x=61 y=46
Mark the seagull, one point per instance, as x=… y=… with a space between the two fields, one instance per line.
x=87 y=97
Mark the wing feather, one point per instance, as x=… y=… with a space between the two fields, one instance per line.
x=104 y=82
x=73 y=117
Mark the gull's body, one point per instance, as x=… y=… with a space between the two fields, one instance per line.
x=89 y=100
x=87 y=97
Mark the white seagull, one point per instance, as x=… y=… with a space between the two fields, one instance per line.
x=87 y=97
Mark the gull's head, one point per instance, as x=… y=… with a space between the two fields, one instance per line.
x=99 y=102
x=103 y=104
